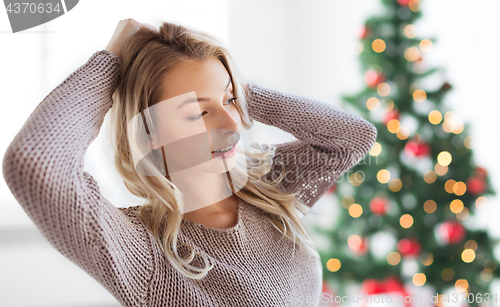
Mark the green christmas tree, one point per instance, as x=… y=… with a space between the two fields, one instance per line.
x=405 y=206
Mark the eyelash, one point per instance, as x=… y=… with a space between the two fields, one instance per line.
x=194 y=118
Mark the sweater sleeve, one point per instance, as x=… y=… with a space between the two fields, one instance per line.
x=329 y=141
x=43 y=168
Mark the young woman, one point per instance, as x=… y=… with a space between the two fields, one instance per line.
x=220 y=225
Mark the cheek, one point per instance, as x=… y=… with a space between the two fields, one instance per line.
x=178 y=129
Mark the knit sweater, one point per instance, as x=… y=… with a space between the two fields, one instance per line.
x=253 y=263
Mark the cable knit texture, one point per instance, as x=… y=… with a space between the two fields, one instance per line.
x=253 y=263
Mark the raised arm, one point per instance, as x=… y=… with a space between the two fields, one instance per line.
x=43 y=167
x=329 y=141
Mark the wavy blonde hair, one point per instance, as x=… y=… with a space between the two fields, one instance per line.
x=147 y=57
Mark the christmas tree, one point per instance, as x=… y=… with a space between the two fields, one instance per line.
x=405 y=205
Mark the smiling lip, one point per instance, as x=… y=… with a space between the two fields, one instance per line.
x=234 y=144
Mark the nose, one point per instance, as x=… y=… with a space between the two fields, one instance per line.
x=227 y=118
x=224 y=127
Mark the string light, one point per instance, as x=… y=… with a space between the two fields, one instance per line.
x=427 y=259
x=440 y=169
x=383 y=89
x=393 y=258
x=419 y=279
x=426 y=45
x=481 y=202
x=373 y=103
x=444 y=158
x=383 y=176
x=435 y=117
x=459 y=188
x=358 y=48
x=393 y=125
x=412 y=54
x=456 y=206
x=419 y=95
x=430 y=206
x=395 y=184
x=355 y=210
x=468 y=255
x=468 y=142
x=376 y=149
x=463 y=215
x=406 y=221
x=410 y=31
x=403 y=133
x=448 y=186
x=462 y=285
x=414 y=5
x=333 y=265
x=430 y=176
x=356 y=179
x=378 y=45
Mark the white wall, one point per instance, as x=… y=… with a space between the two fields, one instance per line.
x=305 y=48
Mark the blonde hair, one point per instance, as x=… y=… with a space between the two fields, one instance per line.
x=147 y=57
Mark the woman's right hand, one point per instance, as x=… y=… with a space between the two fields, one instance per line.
x=123 y=31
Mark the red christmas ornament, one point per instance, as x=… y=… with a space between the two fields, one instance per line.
x=373 y=78
x=365 y=32
x=481 y=172
x=379 y=205
x=392 y=114
x=358 y=245
x=451 y=232
x=409 y=247
x=476 y=185
x=404 y=2
x=417 y=149
x=391 y=284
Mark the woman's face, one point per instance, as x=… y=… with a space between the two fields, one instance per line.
x=197 y=116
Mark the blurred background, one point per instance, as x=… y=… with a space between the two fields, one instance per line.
x=305 y=48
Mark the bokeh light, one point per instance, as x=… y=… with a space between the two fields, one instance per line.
x=406 y=221
x=456 y=206
x=333 y=265
x=378 y=45
x=435 y=117
x=383 y=176
x=355 y=210
x=383 y=89
x=418 y=279
x=419 y=96
x=373 y=103
x=393 y=258
x=430 y=206
x=393 y=125
x=376 y=149
x=426 y=45
x=444 y=158
x=468 y=255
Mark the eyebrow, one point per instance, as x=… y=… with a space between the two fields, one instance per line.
x=201 y=99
